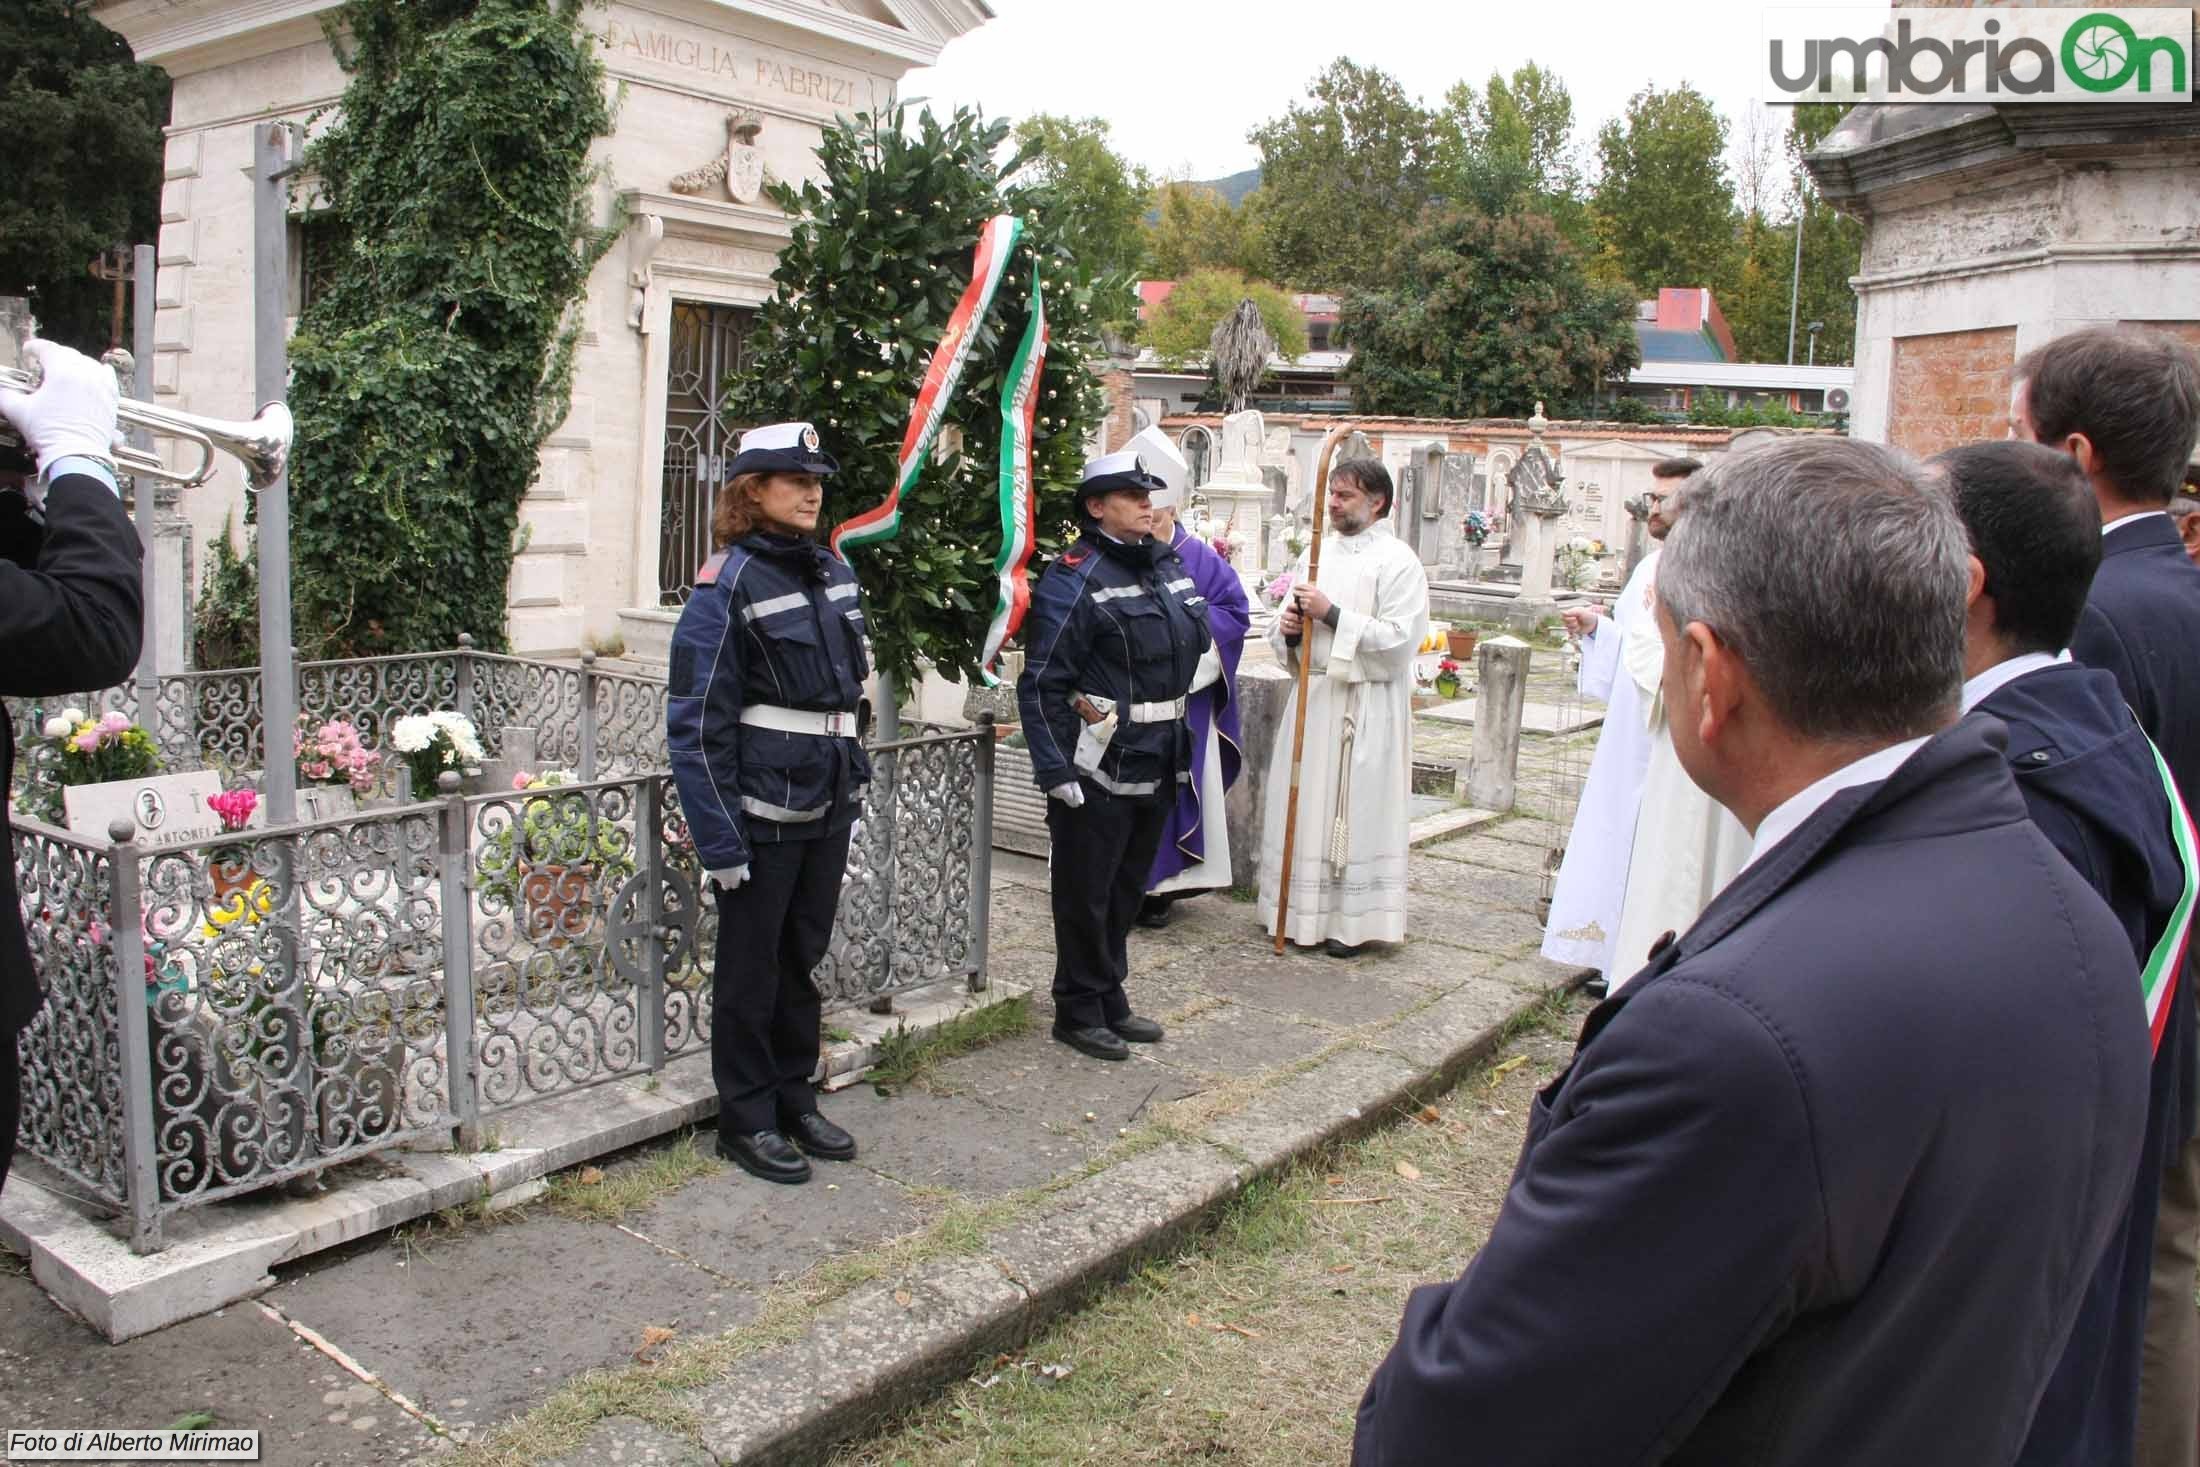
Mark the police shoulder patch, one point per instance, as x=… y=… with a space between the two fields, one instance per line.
x=1075 y=557
x=708 y=574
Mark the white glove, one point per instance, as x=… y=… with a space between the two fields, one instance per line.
x=73 y=410
x=855 y=834
x=1209 y=670
x=731 y=878
x=1071 y=794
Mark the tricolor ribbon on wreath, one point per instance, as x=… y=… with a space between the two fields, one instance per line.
x=1019 y=407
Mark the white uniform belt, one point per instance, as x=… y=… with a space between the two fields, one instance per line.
x=800 y=721
x=1167 y=712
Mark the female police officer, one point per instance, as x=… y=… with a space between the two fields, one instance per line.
x=1116 y=632
x=763 y=723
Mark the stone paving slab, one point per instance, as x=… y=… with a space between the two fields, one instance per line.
x=522 y=1310
x=245 y=1369
x=763 y=1233
x=922 y=1138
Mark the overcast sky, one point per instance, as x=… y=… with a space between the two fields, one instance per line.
x=1182 y=82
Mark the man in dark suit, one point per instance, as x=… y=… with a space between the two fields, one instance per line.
x=71 y=602
x=1826 y=1181
x=2097 y=790
x=2124 y=404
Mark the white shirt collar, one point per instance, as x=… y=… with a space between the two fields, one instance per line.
x=2133 y=519
x=1804 y=803
x=1978 y=689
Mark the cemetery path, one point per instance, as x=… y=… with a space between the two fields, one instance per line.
x=662 y=1307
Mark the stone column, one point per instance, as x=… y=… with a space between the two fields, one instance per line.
x=1265 y=701
x=1500 y=701
x=1538 y=546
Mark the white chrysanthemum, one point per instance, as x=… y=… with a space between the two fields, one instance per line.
x=411 y=735
x=58 y=726
x=73 y=714
x=462 y=735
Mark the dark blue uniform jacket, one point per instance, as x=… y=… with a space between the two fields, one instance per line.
x=2141 y=625
x=2089 y=780
x=773 y=620
x=1825 y=1182
x=1117 y=621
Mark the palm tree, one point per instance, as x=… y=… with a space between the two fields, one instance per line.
x=1240 y=347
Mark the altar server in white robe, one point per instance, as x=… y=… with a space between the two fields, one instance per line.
x=1687 y=846
x=1367 y=613
x=1583 y=927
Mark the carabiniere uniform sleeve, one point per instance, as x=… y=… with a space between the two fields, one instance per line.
x=703 y=717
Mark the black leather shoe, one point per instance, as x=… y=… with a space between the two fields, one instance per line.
x=1597 y=987
x=1101 y=1044
x=1338 y=949
x=819 y=1137
x=1154 y=912
x=1135 y=1030
x=765 y=1154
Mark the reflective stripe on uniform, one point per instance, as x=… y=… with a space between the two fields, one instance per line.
x=1114 y=787
x=750 y=805
x=774 y=606
x=842 y=592
x=1118 y=593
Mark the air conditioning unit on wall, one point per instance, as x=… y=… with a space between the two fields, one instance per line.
x=1837 y=399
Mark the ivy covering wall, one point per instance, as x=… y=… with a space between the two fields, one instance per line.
x=438 y=355
x=882 y=249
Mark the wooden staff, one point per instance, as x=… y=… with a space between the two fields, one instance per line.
x=1306 y=678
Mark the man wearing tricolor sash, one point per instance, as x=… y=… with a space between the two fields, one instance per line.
x=1115 y=635
x=1195 y=844
x=1826 y=1181
x=2098 y=790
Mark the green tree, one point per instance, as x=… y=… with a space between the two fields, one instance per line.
x=1179 y=331
x=83 y=126
x=1484 y=317
x=881 y=253
x=1664 y=203
x=1757 y=304
x=1193 y=228
x=439 y=356
x=1098 y=200
x=1508 y=142
x=1342 y=177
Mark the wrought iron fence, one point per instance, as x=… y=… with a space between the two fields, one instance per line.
x=303 y=996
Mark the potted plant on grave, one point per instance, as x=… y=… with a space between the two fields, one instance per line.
x=333 y=753
x=1447 y=679
x=230 y=865
x=80 y=749
x=430 y=743
x=1475 y=530
x=554 y=857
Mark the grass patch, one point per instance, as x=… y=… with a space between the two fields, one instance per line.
x=906 y=1055
x=600 y=1194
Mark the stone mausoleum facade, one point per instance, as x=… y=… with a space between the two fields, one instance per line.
x=1991 y=229
x=717 y=96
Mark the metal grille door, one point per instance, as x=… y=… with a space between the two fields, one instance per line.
x=709 y=344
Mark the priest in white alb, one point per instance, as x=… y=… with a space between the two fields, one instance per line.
x=1687 y=846
x=1583 y=928
x=1367 y=614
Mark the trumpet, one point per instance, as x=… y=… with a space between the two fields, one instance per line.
x=261 y=443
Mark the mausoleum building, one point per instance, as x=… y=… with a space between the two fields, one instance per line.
x=716 y=97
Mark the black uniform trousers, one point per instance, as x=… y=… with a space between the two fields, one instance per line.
x=11 y=1100
x=773 y=930
x=1101 y=853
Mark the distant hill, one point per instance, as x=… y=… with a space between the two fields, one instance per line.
x=1234 y=188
